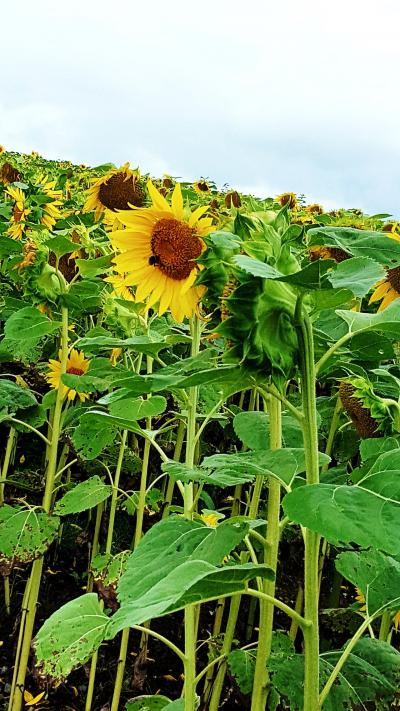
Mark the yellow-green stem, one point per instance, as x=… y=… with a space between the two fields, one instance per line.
x=6 y=462
x=266 y=619
x=37 y=566
x=311 y=539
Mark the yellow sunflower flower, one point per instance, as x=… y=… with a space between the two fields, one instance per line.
x=77 y=364
x=159 y=248
x=111 y=221
x=388 y=289
x=51 y=212
x=120 y=286
x=118 y=189
x=19 y=213
x=34 y=154
x=201 y=187
x=360 y=598
x=2 y=149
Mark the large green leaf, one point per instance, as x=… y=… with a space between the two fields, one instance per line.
x=92 y=435
x=375 y=574
x=370 y=673
x=148 y=703
x=70 y=636
x=358 y=274
x=283 y=464
x=359 y=243
x=348 y=514
x=28 y=323
x=25 y=534
x=150 y=344
x=387 y=321
x=252 y=429
x=13 y=397
x=83 y=496
x=138 y=408
x=178 y=561
x=229 y=476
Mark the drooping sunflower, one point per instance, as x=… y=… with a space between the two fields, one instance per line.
x=289 y=199
x=51 y=209
x=9 y=174
x=118 y=189
x=20 y=213
x=159 y=248
x=77 y=364
x=388 y=288
x=29 y=251
x=326 y=252
x=201 y=187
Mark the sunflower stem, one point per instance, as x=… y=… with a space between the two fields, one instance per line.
x=37 y=566
x=311 y=539
x=261 y=683
x=6 y=462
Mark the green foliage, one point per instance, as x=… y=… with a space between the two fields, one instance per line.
x=83 y=496
x=25 y=534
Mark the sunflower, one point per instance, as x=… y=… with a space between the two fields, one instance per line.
x=118 y=189
x=360 y=598
x=19 y=213
x=77 y=364
x=34 y=154
x=29 y=252
x=9 y=174
x=120 y=286
x=158 y=251
x=50 y=210
x=388 y=289
x=2 y=149
x=289 y=199
x=201 y=187
x=325 y=252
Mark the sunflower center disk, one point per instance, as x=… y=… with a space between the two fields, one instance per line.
x=75 y=371
x=119 y=192
x=393 y=277
x=175 y=246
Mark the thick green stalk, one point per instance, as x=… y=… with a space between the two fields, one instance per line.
x=119 y=677
x=226 y=648
x=6 y=462
x=189 y=688
x=311 y=539
x=180 y=435
x=261 y=677
x=37 y=566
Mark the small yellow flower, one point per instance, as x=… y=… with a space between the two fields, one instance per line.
x=211 y=518
x=31 y=700
x=77 y=364
x=34 y=154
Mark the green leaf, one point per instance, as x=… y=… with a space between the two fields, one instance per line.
x=283 y=464
x=94 y=267
x=374 y=447
x=358 y=274
x=387 y=321
x=83 y=496
x=375 y=574
x=60 y=245
x=148 y=703
x=25 y=534
x=92 y=435
x=9 y=246
x=138 y=408
x=29 y=323
x=151 y=344
x=255 y=267
x=13 y=397
x=343 y=514
x=178 y=560
x=110 y=567
x=241 y=664
x=70 y=636
x=359 y=243
x=252 y=428
x=227 y=477
x=84 y=296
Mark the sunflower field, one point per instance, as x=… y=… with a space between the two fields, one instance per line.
x=200 y=446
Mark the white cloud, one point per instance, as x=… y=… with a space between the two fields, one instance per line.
x=298 y=96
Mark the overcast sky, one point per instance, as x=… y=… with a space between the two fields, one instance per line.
x=267 y=96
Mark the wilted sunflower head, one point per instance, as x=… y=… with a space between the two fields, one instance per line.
x=158 y=251
x=232 y=199
x=77 y=364
x=325 y=252
x=315 y=209
x=9 y=174
x=387 y=289
x=289 y=199
x=29 y=251
x=201 y=186
x=50 y=210
x=118 y=189
x=369 y=413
